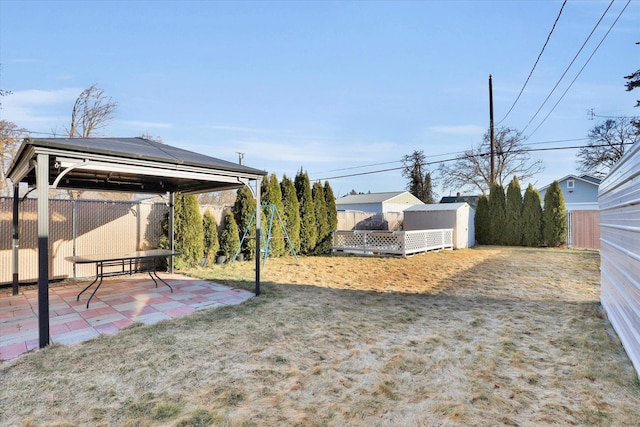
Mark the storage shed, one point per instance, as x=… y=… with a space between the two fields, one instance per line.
x=459 y=216
x=620 y=250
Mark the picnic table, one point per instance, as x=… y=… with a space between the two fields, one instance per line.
x=124 y=263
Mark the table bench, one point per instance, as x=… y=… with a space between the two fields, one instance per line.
x=127 y=263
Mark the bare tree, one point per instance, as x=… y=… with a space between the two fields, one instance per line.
x=92 y=110
x=9 y=143
x=151 y=137
x=608 y=143
x=472 y=171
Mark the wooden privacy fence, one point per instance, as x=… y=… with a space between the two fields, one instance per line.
x=357 y=220
x=401 y=243
x=584 y=229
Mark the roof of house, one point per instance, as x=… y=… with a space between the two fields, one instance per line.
x=472 y=200
x=589 y=179
x=370 y=198
x=441 y=207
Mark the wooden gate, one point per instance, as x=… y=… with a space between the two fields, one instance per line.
x=584 y=229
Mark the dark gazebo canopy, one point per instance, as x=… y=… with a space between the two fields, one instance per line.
x=128 y=165
x=133 y=165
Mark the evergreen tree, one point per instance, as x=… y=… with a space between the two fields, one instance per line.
x=483 y=221
x=513 y=214
x=188 y=231
x=243 y=209
x=429 y=196
x=272 y=195
x=531 y=218
x=554 y=217
x=308 y=229
x=229 y=240
x=290 y=213
x=323 y=243
x=332 y=210
x=497 y=215
x=211 y=243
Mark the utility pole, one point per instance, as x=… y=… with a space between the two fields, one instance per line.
x=493 y=142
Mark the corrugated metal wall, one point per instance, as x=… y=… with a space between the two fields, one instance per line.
x=619 y=200
x=94 y=226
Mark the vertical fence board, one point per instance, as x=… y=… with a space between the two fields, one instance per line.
x=585 y=229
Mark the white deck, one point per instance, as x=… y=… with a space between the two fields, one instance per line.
x=402 y=243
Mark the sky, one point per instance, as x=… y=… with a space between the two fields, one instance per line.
x=341 y=89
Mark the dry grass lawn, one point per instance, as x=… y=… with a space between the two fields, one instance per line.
x=485 y=336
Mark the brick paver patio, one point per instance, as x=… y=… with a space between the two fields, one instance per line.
x=118 y=303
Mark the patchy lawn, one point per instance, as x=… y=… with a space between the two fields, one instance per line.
x=486 y=336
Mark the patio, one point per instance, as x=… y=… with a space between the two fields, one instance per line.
x=120 y=302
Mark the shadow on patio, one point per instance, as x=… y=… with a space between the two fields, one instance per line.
x=118 y=303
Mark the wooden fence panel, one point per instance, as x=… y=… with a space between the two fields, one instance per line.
x=584 y=229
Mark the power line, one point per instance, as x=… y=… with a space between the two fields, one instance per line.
x=583 y=67
x=569 y=66
x=525 y=150
x=535 y=64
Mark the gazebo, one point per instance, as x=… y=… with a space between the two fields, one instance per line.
x=133 y=165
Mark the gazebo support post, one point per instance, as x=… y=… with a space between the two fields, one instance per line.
x=42 y=183
x=172 y=231
x=258 y=234
x=16 y=242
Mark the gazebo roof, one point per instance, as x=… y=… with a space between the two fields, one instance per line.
x=127 y=164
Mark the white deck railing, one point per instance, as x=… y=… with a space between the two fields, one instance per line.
x=403 y=243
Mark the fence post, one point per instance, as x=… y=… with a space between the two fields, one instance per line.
x=74 y=233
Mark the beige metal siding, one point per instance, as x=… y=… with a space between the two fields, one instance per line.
x=98 y=226
x=619 y=200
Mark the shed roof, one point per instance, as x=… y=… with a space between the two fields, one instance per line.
x=127 y=164
x=368 y=198
x=433 y=207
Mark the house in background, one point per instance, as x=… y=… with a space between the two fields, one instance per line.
x=396 y=201
x=580 y=192
x=458 y=198
x=583 y=215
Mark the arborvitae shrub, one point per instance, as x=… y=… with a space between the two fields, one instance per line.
x=554 y=217
x=323 y=244
x=513 y=214
x=229 y=240
x=211 y=243
x=243 y=209
x=497 y=215
x=291 y=213
x=332 y=211
x=483 y=221
x=531 y=218
x=189 y=233
x=308 y=228
x=272 y=196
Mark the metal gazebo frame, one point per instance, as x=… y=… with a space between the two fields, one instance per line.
x=133 y=165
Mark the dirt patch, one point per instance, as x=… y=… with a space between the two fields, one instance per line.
x=486 y=336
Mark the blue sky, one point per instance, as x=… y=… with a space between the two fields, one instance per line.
x=329 y=86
